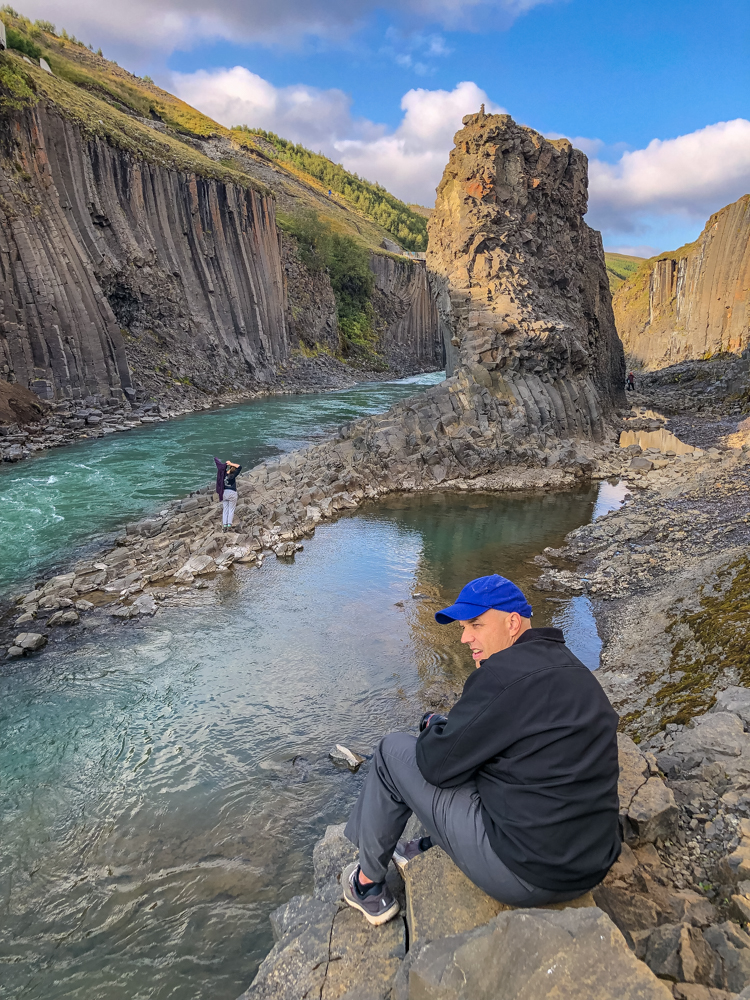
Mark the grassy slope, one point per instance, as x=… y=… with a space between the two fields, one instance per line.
x=620 y=267
x=107 y=101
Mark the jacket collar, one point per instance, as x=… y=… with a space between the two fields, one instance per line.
x=551 y=634
x=530 y=635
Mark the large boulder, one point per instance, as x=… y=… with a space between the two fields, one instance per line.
x=572 y=954
x=434 y=876
x=717 y=736
x=648 y=810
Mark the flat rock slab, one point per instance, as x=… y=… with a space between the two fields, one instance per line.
x=531 y=955
x=441 y=901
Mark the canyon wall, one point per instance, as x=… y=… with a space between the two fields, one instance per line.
x=105 y=255
x=124 y=276
x=405 y=314
x=694 y=302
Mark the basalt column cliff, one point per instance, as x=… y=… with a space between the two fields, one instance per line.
x=525 y=301
x=693 y=302
x=96 y=242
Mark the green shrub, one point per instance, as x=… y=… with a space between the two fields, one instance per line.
x=15 y=92
x=19 y=42
x=348 y=267
x=47 y=26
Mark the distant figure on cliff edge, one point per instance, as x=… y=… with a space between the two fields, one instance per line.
x=631 y=381
x=226 y=487
x=518 y=784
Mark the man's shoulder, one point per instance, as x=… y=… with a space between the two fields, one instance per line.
x=532 y=657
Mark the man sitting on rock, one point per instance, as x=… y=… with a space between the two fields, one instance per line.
x=518 y=784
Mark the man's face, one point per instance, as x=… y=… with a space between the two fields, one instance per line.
x=491 y=632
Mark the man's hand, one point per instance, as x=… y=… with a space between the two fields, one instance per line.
x=430 y=717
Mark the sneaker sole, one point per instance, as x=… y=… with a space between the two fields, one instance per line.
x=382 y=918
x=400 y=862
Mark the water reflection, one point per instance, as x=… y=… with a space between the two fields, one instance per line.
x=662 y=439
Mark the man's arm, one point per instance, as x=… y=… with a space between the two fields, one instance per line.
x=450 y=751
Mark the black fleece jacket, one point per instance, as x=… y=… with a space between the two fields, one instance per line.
x=536 y=732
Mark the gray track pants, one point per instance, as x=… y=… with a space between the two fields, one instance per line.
x=394 y=788
x=229 y=503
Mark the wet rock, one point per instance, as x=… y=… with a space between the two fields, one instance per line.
x=15 y=651
x=530 y=954
x=145 y=604
x=343 y=755
x=25 y=618
x=30 y=641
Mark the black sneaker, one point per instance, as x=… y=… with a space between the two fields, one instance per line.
x=407 y=850
x=377 y=902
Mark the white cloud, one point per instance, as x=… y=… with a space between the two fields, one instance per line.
x=688 y=177
x=409 y=161
x=141 y=26
x=644 y=250
x=314 y=117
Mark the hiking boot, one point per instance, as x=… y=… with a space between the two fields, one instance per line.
x=407 y=850
x=376 y=902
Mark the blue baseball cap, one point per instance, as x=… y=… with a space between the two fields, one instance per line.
x=482 y=594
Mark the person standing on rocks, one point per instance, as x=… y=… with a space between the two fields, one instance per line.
x=226 y=487
x=631 y=381
x=518 y=784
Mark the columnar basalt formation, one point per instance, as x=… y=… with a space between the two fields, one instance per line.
x=527 y=300
x=126 y=278
x=96 y=242
x=694 y=302
x=406 y=317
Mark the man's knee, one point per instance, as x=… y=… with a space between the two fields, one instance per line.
x=401 y=745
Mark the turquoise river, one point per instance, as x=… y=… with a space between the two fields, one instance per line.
x=163 y=782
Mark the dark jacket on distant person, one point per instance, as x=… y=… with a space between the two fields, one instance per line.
x=221 y=471
x=536 y=732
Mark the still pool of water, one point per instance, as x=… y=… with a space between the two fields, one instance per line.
x=57 y=502
x=163 y=783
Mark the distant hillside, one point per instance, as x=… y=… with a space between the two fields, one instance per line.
x=408 y=226
x=134 y=114
x=620 y=267
x=693 y=302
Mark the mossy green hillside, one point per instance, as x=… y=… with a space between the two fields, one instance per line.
x=619 y=268
x=706 y=642
x=108 y=101
x=406 y=225
x=347 y=264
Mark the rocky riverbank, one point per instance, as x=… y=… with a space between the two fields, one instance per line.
x=39 y=424
x=656 y=927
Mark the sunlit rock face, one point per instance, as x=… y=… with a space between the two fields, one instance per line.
x=523 y=293
x=693 y=302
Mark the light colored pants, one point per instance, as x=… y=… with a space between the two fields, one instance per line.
x=230 y=502
x=394 y=788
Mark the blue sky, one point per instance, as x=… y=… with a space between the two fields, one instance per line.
x=655 y=93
